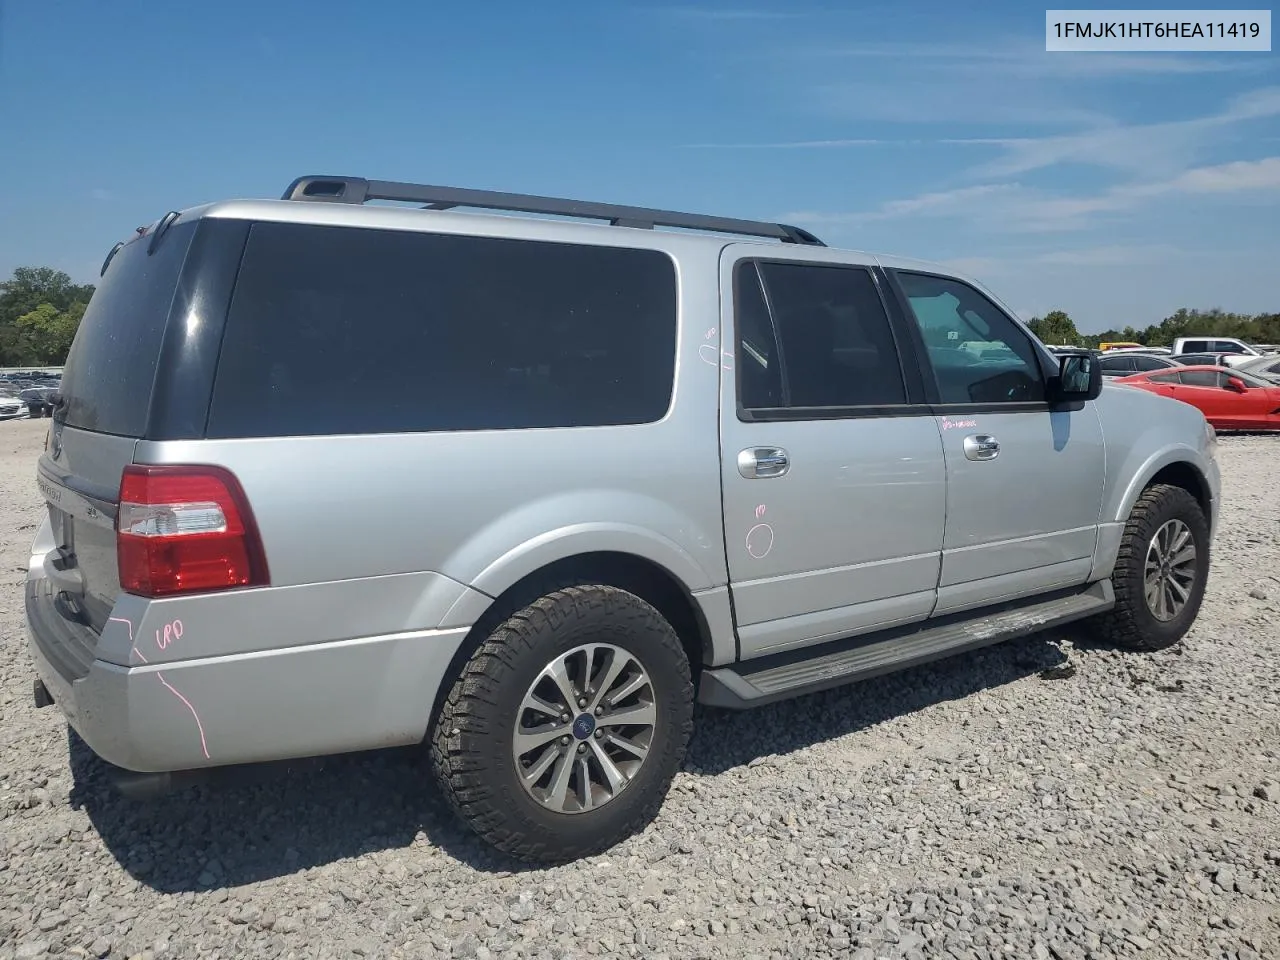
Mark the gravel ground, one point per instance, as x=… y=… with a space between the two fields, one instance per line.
x=1039 y=800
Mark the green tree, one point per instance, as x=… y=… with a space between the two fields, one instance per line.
x=49 y=331
x=45 y=336
x=1055 y=327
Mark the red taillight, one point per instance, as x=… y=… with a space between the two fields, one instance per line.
x=185 y=529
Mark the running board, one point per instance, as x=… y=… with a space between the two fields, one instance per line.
x=754 y=683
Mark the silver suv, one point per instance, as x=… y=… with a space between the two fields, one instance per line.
x=327 y=475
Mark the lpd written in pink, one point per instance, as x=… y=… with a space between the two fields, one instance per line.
x=170 y=632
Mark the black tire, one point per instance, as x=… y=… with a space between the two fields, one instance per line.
x=471 y=743
x=1132 y=624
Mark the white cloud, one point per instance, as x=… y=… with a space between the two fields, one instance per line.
x=920 y=97
x=1014 y=207
x=1258 y=175
x=1113 y=255
x=1144 y=148
x=1021 y=57
x=975 y=266
x=801 y=144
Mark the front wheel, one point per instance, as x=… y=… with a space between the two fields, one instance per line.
x=1160 y=573
x=566 y=727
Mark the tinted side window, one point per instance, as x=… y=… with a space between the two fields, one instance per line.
x=1148 y=363
x=1164 y=378
x=759 y=372
x=979 y=355
x=835 y=341
x=1121 y=365
x=1199 y=378
x=342 y=330
x=1197 y=346
x=111 y=366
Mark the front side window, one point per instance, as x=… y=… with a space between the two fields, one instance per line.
x=979 y=355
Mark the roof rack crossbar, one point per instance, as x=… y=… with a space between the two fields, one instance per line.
x=357 y=190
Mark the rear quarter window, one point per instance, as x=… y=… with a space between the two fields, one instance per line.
x=111 y=367
x=343 y=330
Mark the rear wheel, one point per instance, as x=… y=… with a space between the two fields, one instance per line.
x=564 y=732
x=1160 y=573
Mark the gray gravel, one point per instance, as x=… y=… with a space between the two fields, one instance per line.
x=980 y=808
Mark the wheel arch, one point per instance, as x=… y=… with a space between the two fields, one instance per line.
x=647 y=579
x=1176 y=467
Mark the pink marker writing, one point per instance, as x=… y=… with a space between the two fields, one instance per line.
x=169 y=633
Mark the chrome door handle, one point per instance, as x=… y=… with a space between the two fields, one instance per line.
x=759 y=463
x=981 y=446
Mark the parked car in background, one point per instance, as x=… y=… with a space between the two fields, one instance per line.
x=1267 y=367
x=39 y=398
x=1150 y=351
x=1213 y=359
x=11 y=405
x=1122 y=363
x=1214 y=345
x=613 y=470
x=1230 y=399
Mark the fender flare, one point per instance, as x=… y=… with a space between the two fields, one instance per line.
x=1165 y=457
x=593 y=537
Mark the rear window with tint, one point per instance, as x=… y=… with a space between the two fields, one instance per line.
x=111 y=367
x=341 y=330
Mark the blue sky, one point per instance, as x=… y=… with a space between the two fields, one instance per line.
x=1115 y=186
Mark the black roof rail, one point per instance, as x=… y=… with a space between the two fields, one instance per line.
x=358 y=190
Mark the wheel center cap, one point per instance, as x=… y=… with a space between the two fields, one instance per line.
x=584 y=726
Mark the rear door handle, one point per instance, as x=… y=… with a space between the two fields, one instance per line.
x=760 y=463
x=981 y=446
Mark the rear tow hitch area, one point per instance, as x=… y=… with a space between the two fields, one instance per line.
x=42 y=695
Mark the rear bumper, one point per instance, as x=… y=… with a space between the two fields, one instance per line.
x=309 y=701
x=298 y=700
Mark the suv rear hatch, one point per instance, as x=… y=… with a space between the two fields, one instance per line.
x=101 y=411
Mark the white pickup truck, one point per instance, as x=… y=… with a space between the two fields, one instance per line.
x=1241 y=351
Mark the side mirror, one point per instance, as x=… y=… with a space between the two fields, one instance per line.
x=1079 y=378
x=1236 y=385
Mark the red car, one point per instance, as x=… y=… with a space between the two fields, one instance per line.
x=1229 y=399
